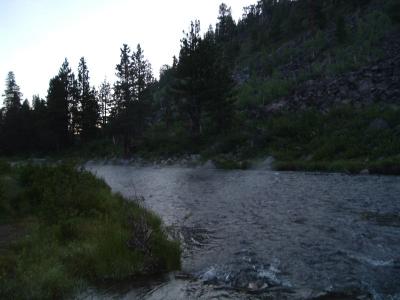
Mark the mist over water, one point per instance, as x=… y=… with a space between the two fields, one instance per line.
x=284 y=235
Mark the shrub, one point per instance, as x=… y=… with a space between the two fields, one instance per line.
x=262 y=91
x=341 y=30
x=4 y=167
x=386 y=167
x=342 y=134
x=3 y=204
x=160 y=141
x=393 y=10
x=80 y=234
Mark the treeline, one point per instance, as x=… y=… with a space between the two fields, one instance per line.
x=196 y=87
x=75 y=112
x=193 y=101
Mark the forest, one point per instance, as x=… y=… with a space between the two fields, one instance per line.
x=294 y=85
x=215 y=97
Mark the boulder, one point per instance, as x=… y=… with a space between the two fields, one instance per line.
x=365 y=86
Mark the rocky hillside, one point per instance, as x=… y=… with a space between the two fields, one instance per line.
x=353 y=60
x=378 y=82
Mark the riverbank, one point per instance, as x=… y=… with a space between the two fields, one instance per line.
x=383 y=166
x=285 y=235
x=72 y=233
x=343 y=139
x=269 y=163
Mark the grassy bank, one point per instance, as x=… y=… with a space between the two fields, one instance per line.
x=77 y=234
x=343 y=139
x=383 y=167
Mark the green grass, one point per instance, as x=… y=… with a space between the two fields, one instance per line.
x=160 y=141
x=351 y=167
x=344 y=133
x=339 y=141
x=343 y=139
x=79 y=234
x=258 y=91
x=383 y=167
x=324 y=56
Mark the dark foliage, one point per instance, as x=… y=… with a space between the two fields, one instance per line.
x=78 y=234
x=208 y=92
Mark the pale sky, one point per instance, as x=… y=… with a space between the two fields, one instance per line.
x=36 y=35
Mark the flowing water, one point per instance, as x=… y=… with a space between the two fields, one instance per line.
x=271 y=235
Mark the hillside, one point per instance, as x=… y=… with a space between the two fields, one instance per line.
x=325 y=97
x=315 y=84
x=353 y=58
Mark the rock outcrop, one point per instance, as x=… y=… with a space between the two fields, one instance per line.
x=379 y=82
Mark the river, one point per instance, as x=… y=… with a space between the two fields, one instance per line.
x=271 y=235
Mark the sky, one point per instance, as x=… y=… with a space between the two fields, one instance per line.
x=36 y=35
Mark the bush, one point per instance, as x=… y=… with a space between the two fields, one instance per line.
x=4 y=167
x=263 y=91
x=341 y=30
x=393 y=10
x=103 y=148
x=342 y=135
x=160 y=141
x=386 y=167
x=81 y=234
x=3 y=204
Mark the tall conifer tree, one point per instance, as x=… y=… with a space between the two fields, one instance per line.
x=12 y=94
x=58 y=103
x=88 y=103
x=105 y=102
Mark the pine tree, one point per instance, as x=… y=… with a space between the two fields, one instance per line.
x=142 y=78
x=74 y=105
x=26 y=134
x=12 y=94
x=142 y=75
x=10 y=139
x=87 y=99
x=226 y=26
x=164 y=94
x=122 y=123
x=190 y=80
x=58 y=103
x=123 y=87
x=218 y=85
x=131 y=94
x=105 y=102
x=42 y=133
x=203 y=83
x=2 y=114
